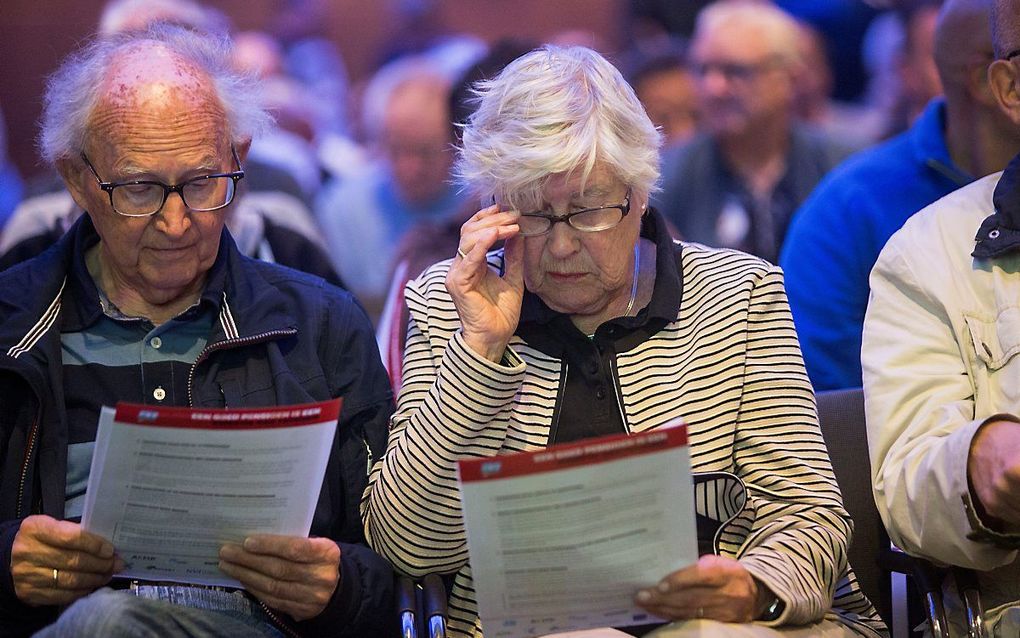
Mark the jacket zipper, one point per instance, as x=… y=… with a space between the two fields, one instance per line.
x=221 y=345
x=32 y=435
x=229 y=343
x=280 y=624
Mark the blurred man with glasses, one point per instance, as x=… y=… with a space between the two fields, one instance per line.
x=147 y=299
x=737 y=184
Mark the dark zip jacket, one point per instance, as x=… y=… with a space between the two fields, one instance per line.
x=282 y=337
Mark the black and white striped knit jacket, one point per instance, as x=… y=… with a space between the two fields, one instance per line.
x=729 y=364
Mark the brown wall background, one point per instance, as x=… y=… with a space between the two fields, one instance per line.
x=36 y=34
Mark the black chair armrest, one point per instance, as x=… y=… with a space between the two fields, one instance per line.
x=407 y=607
x=434 y=597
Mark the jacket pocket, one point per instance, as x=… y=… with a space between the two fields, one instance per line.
x=995 y=343
x=997 y=340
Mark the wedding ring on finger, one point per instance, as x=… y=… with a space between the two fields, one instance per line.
x=461 y=253
x=56 y=575
x=701 y=612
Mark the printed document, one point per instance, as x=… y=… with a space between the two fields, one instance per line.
x=168 y=486
x=561 y=539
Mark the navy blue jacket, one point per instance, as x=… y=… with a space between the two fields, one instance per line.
x=283 y=337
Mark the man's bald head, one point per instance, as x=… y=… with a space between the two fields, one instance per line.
x=962 y=39
x=136 y=70
x=1005 y=26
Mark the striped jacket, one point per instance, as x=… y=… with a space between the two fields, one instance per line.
x=729 y=364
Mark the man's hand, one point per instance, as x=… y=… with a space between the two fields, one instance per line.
x=489 y=306
x=715 y=587
x=993 y=467
x=294 y=575
x=84 y=561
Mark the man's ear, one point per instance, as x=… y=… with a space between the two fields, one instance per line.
x=74 y=173
x=1002 y=78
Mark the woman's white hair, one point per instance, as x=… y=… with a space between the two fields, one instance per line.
x=75 y=89
x=555 y=110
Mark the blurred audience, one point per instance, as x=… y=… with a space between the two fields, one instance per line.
x=837 y=234
x=899 y=51
x=288 y=145
x=11 y=187
x=431 y=241
x=120 y=16
x=668 y=91
x=737 y=184
x=365 y=214
x=857 y=124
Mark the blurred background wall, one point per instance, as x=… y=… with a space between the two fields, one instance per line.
x=36 y=34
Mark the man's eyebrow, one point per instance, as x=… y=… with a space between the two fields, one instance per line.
x=207 y=166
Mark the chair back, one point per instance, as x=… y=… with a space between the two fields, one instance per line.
x=841 y=416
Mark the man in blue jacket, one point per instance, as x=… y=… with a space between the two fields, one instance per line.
x=836 y=236
x=147 y=299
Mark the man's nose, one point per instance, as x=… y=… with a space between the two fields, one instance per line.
x=174 y=217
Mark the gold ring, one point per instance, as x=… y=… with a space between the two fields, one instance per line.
x=56 y=573
x=701 y=612
x=461 y=253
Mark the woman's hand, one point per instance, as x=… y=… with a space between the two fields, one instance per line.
x=715 y=587
x=489 y=306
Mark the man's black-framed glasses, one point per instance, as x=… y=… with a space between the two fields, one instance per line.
x=1012 y=54
x=142 y=198
x=589 y=220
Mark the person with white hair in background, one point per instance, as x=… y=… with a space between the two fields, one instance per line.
x=737 y=183
x=555 y=337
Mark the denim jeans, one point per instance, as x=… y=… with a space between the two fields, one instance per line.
x=194 y=613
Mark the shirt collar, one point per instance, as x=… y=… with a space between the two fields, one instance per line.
x=928 y=141
x=84 y=305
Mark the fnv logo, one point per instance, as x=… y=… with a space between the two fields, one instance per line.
x=491 y=467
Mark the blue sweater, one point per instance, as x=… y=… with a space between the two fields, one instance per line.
x=836 y=235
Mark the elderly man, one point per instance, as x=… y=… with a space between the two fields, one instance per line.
x=147 y=299
x=869 y=196
x=942 y=371
x=737 y=184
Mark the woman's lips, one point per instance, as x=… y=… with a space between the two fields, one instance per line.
x=567 y=276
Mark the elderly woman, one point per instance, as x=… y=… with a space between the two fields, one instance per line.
x=592 y=321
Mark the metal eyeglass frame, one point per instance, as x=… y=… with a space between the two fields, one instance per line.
x=555 y=219
x=108 y=187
